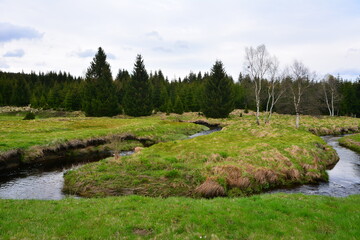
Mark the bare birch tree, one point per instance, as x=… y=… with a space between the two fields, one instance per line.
x=301 y=77
x=256 y=65
x=274 y=88
x=330 y=92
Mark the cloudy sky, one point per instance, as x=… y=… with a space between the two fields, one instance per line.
x=178 y=36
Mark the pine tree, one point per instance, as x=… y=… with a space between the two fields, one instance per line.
x=218 y=93
x=178 y=106
x=137 y=99
x=20 y=93
x=43 y=103
x=99 y=97
x=121 y=80
x=169 y=107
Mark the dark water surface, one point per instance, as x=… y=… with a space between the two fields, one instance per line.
x=46 y=183
x=344 y=178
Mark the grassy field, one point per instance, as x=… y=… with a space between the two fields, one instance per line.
x=17 y=133
x=278 y=216
x=241 y=159
x=352 y=142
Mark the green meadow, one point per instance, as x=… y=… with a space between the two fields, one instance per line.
x=275 y=216
x=174 y=178
x=17 y=133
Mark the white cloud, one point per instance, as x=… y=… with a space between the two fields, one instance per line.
x=88 y=53
x=9 y=32
x=15 y=53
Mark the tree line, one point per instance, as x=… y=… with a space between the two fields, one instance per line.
x=261 y=87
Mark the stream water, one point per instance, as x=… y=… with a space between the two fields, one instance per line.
x=46 y=183
x=38 y=182
x=344 y=178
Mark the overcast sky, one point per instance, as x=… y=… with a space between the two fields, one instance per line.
x=178 y=36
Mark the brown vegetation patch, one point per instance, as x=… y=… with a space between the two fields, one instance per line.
x=214 y=157
x=274 y=156
x=264 y=175
x=138 y=149
x=334 y=130
x=142 y=231
x=241 y=182
x=314 y=176
x=297 y=152
x=210 y=188
x=353 y=142
x=306 y=166
x=291 y=174
x=263 y=133
x=233 y=175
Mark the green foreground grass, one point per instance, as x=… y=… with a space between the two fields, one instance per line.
x=278 y=216
x=352 y=142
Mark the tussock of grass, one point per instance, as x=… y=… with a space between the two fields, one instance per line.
x=276 y=216
x=352 y=142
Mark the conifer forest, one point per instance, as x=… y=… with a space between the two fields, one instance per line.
x=138 y=92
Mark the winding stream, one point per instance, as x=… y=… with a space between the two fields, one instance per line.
x=344 y=178
x=46 y=183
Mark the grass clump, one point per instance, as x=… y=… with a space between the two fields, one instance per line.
x=352 y=142
x=275 y=216
x=29 y=116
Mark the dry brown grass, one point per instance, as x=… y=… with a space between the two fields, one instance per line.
x=306 y=166
x=291 y=174
x=138 y=149
x=274 y=157
x=264 y=175
x=234 y=176
x=210 y=188
x=314 y=176
x=297 y=152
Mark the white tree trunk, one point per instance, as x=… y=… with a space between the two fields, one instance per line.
x=297 y=122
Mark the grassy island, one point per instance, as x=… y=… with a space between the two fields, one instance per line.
x=352 y=142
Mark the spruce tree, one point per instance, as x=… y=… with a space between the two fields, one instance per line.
x=99 y=97
x=20 y=93
x=178 y=106
x=121 y=80
x=137 y=99
x=169 y=107
x=218 y=93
